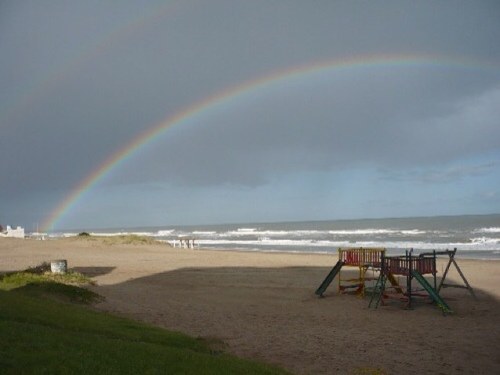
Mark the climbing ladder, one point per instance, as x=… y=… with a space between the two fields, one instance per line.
x=380 y=287
x=378 y=290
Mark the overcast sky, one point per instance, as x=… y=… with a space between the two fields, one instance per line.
x=80 y=80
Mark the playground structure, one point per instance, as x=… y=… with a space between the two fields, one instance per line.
x=361 y=258
x=412 y=267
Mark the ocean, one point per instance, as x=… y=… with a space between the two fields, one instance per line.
x=475 y=236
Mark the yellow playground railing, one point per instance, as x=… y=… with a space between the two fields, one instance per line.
x=363 y=259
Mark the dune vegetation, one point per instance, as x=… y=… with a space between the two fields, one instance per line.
x=125 y=239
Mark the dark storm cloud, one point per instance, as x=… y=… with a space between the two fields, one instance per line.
x=403 y=126
x=443 y=175
x=79 y=80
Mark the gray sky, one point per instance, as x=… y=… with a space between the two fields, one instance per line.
x=79 y=80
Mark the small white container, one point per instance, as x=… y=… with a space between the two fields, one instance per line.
x=59 y=266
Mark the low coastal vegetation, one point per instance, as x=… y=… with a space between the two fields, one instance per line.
x=39 y=281
x=45 y=327
x=125 y=239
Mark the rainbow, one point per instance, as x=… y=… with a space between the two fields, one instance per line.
x=216 y=100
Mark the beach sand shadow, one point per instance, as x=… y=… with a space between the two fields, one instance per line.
x=272 y=314
x=93 y=271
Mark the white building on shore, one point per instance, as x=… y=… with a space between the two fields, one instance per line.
x=10 y=232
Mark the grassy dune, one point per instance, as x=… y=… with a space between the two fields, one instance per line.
x=125 y=239
x=45 y=328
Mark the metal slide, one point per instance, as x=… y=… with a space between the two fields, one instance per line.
x=432 y=293
x=335 y=270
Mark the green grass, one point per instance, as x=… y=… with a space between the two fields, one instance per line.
x=39 y=281
x=46 y=336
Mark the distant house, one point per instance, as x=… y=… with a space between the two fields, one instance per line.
x=9 y=232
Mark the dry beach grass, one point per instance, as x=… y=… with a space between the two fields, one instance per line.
x=262 y=306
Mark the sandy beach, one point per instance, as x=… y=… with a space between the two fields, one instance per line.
x=262 y=306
